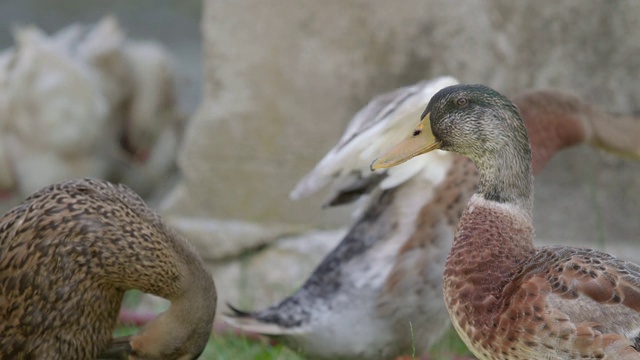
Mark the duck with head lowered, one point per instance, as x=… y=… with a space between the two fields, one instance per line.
x=507 y=298
x=68 y=254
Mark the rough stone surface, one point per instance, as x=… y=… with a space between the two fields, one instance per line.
x=224 y=239
x=260 y=279
x=283 y=77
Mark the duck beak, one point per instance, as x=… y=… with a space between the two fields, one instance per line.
x=419 y=142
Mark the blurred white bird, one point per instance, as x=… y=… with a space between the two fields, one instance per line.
x=86 y=101
x=340 y=312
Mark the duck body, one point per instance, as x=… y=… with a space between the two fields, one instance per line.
x=516 y=301
x=70 y=251
x=339 y=312
x=506 y=298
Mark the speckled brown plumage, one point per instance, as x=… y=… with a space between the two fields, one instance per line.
x=506 y=298
x=514 y=301
x=68 y=254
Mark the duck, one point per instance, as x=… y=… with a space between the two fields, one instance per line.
x=86 y=101
x=378 y=294
x=506 y=298
x=52 y=114
x=69 y=253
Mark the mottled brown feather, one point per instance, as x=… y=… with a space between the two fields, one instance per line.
x=70 y=251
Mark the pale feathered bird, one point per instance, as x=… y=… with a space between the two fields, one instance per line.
x=53 y=113
x=86 y=101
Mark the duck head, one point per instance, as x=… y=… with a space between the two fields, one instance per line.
x=472 y=120
x=482 y=124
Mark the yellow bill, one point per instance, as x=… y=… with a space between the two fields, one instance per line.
x=419 y=142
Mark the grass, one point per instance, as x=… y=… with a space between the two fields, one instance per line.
x=235 y=347
x=231 y=347
x=220 y=347
x=449 y=347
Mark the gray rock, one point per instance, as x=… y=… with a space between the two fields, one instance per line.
x=257 y=280
x=219 y=239
x=283 y=77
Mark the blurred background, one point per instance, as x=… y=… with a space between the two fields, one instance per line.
x=96 y=89
x=213 y=110
x=173 y=23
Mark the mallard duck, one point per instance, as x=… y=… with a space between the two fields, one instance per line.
x=506 y=298
x=71 y=250
x=379 y=292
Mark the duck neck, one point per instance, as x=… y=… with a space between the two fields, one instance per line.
x=495 y=232
x=507 y=178
x=185 y=327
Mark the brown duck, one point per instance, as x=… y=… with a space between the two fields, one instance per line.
x=506 y=298
x=68 y=254
x=349 y=308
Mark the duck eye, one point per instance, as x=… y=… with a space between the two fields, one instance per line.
x=461 y=102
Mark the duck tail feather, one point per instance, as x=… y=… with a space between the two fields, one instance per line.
x=617 y=134
x=248 y=322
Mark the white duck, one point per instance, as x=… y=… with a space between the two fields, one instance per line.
x=53 y=114
x=85 y=102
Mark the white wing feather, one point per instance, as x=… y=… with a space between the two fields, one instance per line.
x=386 y=120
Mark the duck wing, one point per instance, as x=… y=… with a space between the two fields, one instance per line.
x=384 y=121
x=576 y=301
